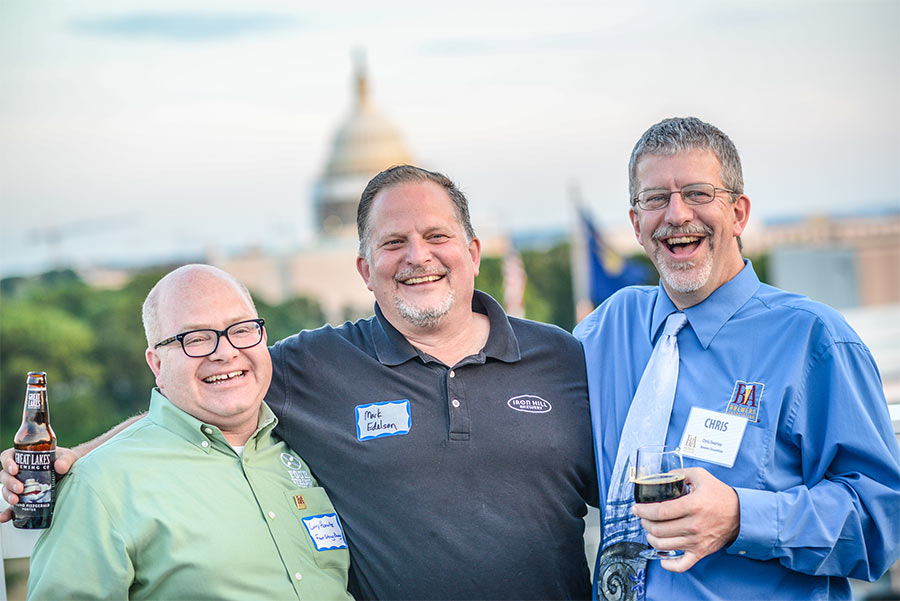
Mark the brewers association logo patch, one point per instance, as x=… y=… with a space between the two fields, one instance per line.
x=745 y=400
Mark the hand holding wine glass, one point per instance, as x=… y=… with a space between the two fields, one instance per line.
x=659 y=477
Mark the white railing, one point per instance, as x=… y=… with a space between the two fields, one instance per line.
x=14 y=543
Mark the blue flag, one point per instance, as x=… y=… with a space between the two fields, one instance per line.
x=608 y=271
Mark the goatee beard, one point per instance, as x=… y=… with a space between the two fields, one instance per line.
x=688 y=276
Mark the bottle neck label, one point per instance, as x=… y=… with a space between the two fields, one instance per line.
x=33 y=400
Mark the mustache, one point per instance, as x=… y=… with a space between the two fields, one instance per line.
x=418 y=272
x=690 y=229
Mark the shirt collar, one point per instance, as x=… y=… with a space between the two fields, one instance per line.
x=172 y=418
x=708 y=317
x=392 y=348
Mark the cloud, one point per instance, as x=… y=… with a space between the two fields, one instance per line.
x=184 y=27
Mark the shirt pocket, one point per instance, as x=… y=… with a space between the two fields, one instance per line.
x=319 y=526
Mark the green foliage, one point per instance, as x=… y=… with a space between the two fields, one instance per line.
x=290 y=317
x=490 y=277
x=91 y=344
x=548 y=293
x=761 y=267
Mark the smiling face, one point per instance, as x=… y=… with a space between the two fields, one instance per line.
x=694 y=247
x=226 y=388
x=419 y=265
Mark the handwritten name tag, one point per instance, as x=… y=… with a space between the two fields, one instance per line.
x=712 y=436
x=325 y=531
x=375 y=420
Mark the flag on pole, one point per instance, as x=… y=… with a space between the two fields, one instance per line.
x=607 y=270
x=514 y=280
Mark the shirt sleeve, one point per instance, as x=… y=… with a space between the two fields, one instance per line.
x=842 y=521
x=82 y=555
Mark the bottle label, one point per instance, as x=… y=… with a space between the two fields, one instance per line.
x=33 y=400
x=36 y=473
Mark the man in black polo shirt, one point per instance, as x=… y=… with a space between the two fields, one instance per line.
x=454 y=441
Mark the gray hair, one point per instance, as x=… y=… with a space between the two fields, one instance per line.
x=150 y=309
x=401 y=174
x=678 y=134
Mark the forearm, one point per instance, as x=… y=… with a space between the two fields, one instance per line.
x=828 y=529
x=86 y=447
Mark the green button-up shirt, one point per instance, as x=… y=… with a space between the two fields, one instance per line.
x=168 y=510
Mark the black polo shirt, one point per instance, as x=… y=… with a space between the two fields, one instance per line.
x=462 y=482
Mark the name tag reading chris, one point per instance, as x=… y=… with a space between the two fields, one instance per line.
x=375 y=420
x=712 y=436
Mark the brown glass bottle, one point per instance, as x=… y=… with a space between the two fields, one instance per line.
x=35 y=452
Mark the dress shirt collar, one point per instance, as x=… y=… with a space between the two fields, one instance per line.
x=172 y=418
x=708 y=317
x=392 y=348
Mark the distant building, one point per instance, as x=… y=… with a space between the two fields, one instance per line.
x=846 y=261
x=365 y=144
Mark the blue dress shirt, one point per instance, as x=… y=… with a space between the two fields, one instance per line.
x=817 y=474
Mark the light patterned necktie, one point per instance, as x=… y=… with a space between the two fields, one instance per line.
x=621 y=572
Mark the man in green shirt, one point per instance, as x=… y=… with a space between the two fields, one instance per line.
x=200 y=500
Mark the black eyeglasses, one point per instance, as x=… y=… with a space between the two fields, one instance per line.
x=692 y=194
x=202 y=343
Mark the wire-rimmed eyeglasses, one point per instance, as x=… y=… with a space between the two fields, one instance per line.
x=692 y=194
x=202 y=343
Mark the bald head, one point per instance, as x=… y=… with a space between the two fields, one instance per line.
x=182 y=282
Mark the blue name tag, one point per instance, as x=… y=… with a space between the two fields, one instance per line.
x=325 y=531
x=390 y=418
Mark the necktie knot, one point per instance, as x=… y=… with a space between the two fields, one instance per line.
x=674 y=323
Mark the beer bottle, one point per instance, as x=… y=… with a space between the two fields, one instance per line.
x=35 y=452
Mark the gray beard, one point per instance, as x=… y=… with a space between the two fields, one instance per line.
x=423 y=318
x=684 y=277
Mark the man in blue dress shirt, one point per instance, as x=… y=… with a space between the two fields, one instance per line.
x=801 y=489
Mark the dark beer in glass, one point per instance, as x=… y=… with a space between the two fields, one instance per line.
x=658 y=477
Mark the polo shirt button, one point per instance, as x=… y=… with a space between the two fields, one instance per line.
x=272 y=515
x=207 y=430
x=742 y=552
x=298 y=576
x=452 y=374
x=204 y=444
x=455 y=403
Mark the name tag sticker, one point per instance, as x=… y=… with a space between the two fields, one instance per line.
x=375 y=420
x=712 y=436
x=325 y=531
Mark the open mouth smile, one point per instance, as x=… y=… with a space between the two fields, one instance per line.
x=224 y=377
x=683 y=245
x=421 y=280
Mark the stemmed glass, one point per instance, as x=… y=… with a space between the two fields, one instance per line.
x=659 y=477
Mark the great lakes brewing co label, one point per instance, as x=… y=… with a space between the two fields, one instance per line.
x=36 y=473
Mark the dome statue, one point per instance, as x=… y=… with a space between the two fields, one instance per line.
x=364 y=145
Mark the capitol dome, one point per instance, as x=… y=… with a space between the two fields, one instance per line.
x=364 y=145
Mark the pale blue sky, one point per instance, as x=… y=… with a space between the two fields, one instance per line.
x=146 y=128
